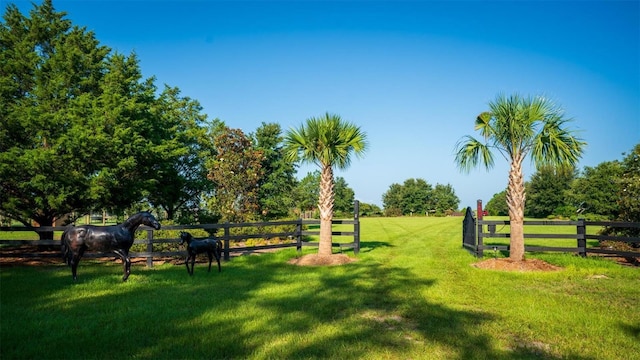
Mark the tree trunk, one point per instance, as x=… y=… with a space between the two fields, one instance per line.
x=325 y=205
x=45 y=235
x=515 y=202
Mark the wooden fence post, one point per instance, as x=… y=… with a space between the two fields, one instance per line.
x=581 y=230
x=150 y=247
x=356 y=227
x=226 y=240
x=299 y=235
x=480 y=244
x=479 y=216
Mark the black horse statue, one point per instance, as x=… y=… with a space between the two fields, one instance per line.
x=116 y=238
x=212 y=247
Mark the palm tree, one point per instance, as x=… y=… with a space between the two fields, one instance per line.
x=327 y=141
x=516 y=127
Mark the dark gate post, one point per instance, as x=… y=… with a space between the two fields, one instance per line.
x=581 y=230
x=479 y=216
x=356 y=227
x=150 y=248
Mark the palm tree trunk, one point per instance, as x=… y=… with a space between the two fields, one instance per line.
x=325 y=205
x=515 y=202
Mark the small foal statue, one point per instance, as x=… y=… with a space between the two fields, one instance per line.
x=212 y=247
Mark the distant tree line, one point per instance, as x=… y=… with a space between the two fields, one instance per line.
x=608 y=191
x=417 y=196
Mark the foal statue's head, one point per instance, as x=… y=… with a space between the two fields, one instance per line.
x=185 y=237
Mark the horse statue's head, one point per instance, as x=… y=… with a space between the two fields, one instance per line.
x=149 y=220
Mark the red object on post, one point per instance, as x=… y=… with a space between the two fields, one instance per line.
x=480 y=213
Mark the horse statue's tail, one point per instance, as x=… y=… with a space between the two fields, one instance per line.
x=64 y=248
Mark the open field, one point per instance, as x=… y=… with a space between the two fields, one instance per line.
x=412 y=294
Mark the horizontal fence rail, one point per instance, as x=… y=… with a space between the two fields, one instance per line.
x=486 y=229
x=293 y=238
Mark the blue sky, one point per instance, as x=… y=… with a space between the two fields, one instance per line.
x=412 y=74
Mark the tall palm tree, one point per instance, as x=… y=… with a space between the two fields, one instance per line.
x=327 y=141
x=517 y=127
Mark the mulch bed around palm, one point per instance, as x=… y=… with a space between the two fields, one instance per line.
x=510 y=265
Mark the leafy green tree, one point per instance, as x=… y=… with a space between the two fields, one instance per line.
x=127 y=143
x=235 y=171
x=518 y=127
x=306 y=192
x=444 y=198
x=367 y=209
x=597 y=189
x=278 y=181
x=181 y=173
x=547 y=190
x=327 y=141
x=50 y=77
x=417 y=197
x=392 y=200
x=344 y=197
x=629 y=194
x=497 y=206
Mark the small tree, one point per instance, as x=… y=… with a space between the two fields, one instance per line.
x=236 y=171
x=327 y=141
x=518 y=127
x=278 y=181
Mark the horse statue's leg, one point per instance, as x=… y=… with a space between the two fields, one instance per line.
x=126 y=263
x=127 y=268
x=74 y=260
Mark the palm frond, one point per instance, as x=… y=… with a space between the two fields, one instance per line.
x=326 y=141
x=470 y=153
x=556 y=145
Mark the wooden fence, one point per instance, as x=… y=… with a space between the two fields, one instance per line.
x=295 y=238
x=474 y=238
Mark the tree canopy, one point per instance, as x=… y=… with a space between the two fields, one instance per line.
x=81 y=129
x=417 y=196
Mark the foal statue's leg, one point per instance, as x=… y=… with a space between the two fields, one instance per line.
x=186 y=262
x=210 y=255
x=193 y=262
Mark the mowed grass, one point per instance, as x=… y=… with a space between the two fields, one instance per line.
x=412 y=294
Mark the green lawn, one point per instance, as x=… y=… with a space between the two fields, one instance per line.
x=412 y=294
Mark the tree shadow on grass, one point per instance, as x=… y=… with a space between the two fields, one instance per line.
x=258 y=307
x=631 y=330
x=367 y=246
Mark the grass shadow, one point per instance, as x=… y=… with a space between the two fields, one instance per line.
x=258 y=307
